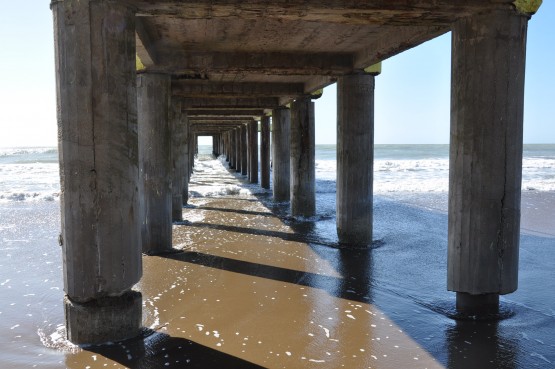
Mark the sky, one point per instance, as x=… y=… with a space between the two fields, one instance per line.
x=411 y=97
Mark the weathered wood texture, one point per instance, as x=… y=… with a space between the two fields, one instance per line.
x=253 y=151
x=303 y=171
x=244 y=150
x=355 y=159
x=178 y=159
x=281 y=153
x=98 y=148
x=486 y=152
x=265 y=152
x=153 y=99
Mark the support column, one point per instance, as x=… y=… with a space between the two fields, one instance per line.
x=265 y=152
x=186 y=158
x=233 y=142
x=192 y=150
x=253 y=152
x=153 y=98
x=303 y=194
x=487 y=94
x=178 y=160
x=237 y=132
x=355 y=158
x=281 y=155
x=215 y=145
x=99 y=174
x=244 y=151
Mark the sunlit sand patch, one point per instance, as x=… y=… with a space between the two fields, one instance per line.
x=276 y=324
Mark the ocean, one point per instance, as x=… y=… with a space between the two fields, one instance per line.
x=31 y=174
x=411 y=176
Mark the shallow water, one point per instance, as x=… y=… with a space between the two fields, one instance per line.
x=255 y=287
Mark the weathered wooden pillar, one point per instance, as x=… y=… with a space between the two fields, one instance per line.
x=253 y=151
x=99 y=174
x=244 y=151
x=303 y=194
x=281 y=155
x=487 y=93
x=265 y=152
x=153 y=99
x=178 y=159
x=355 y=158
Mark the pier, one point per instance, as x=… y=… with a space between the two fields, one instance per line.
x=139 y=81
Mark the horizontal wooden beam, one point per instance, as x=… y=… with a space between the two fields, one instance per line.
x=272 y=63
x=230 y=103
x=195 y=88
x=396 y=12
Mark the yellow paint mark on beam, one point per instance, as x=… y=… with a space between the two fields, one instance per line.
x=527 y=6
x=139 y=64
x=374 y=69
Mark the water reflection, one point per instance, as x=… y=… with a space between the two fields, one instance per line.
x=479 y=345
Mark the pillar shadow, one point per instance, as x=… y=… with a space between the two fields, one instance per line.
x=154 y=350
x=295 y=237
x=350 y=288
x=238 y=211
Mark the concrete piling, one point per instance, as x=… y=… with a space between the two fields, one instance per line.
x=265 y=152
x=99 y=174
x=281 y=156
x=153 y=100
x=486 y=156
x=244 y=150
x=355 y=158
x=303 y=171
x=186 y=158
x=178 y=159
x=253 y=151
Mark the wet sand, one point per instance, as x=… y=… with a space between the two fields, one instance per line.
x=255 y=288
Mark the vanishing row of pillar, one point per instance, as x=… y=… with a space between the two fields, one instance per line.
x=115 y=173
x=240 y=146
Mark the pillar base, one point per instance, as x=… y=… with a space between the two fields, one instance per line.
x=477 y=304
x=107 y=319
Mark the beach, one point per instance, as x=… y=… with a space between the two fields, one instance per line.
x=254 y=287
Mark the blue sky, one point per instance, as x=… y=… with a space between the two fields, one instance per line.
x=411 y=97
